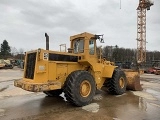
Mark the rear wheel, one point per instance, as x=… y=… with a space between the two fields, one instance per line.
x=117 y=84
x=80 y=88
x=53 y=93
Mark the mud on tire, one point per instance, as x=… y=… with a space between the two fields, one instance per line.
x=117 y=84
x=80 y=88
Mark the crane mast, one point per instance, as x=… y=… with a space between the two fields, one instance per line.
x=141 y=29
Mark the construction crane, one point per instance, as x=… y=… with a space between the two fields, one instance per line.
x=141 y=29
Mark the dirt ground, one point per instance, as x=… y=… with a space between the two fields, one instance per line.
x=18 y=104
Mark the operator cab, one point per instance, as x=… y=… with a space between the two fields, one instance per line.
x=84 y=43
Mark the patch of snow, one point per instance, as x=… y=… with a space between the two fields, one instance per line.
x=93 y=107
x=98 y=97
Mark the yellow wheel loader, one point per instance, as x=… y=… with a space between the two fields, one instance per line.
x=78 y=73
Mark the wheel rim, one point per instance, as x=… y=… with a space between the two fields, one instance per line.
x=85 y=88
x=121 y=82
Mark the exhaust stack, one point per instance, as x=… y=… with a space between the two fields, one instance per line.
x=47 y=41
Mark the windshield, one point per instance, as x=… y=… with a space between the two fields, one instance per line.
x=78 y=45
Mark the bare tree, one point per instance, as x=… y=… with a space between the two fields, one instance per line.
x=21 y=53
x=14 y=51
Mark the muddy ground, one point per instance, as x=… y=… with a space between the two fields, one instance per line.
x=18 y=104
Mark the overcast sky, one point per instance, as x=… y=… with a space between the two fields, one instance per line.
x=24 y=22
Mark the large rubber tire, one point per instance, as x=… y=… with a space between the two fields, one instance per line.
x=117 y=84
x=53 y=93
x=80 y=88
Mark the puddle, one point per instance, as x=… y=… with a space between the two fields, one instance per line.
x=2 y=111
x=93 y=107
x=144 y=95
x=96 y=97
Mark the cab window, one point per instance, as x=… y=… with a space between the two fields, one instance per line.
x=91 y=47
x=78 y=45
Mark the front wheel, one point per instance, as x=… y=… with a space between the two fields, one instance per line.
x=80 y=88
x=117 y=84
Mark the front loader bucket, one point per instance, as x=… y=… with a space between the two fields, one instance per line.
x=133 y=80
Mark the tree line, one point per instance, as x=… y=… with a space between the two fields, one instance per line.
x=6 y=51
x=120 y=54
